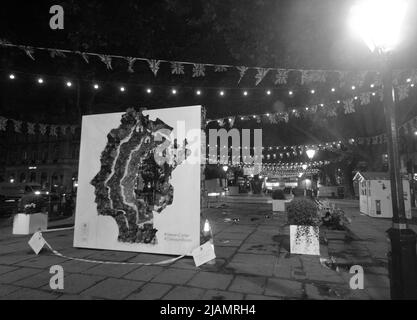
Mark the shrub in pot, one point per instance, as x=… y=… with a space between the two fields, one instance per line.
x=32 y=216
x=304 y=221
x=278 y=200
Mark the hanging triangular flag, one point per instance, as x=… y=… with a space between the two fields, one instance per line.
x=17 y=126
x=281 y=76
x=177 y=68
x=219 y=68
x=63 y=129
x=73 y=128
x=242 y=71
x=154 y=66
x=42 y=128
x=199 y=70
x=106 y=60
x=29 y=51
x=3 y=123
x=365 y=98
x=31 y=128
x=349 y=106
x=57 y=53
x=83 y=55
x=131 y=62
x=53 y=130
x=402 y=92
x=260 y=74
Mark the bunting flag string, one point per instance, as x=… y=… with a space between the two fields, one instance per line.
x=329 y=109
x=18 y=126
x=304 y=76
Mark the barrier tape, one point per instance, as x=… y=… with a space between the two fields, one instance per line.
x=55 y=252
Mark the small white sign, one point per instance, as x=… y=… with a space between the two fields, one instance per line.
x=37 y=242
x=203 y=254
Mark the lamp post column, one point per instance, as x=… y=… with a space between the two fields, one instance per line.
x=402 y=259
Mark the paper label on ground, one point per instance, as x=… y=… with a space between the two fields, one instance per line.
x=203 y=254
x=37 y=242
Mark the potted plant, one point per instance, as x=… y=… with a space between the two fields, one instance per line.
x=304 y=221
x=32 y=216
x=278 y=200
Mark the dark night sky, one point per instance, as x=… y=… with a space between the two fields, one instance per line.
x=302 y=34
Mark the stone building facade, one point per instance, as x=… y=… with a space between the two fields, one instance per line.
x=51 y=161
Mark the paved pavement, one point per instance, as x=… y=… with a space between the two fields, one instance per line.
x=253 y=262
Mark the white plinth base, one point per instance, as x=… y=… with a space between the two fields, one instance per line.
x=30 y=223
x=278 y=205
x=307 y=241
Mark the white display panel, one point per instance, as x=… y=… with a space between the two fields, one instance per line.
x=177 y=222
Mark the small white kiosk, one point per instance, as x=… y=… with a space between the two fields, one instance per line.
x=375 y=194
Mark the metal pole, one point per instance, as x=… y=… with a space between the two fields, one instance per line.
x=402 y=259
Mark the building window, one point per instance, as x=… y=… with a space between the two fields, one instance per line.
x=22 y=178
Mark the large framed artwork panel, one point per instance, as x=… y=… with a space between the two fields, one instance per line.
x=139 y=181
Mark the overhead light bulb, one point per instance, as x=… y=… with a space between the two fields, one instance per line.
x=69 y=84
x=221 y=93
x=122 y=89
x=174 y=91
x=198 y=92
x=12 y=76
x=149 y=90
x=245 y=93
x=96 y=86
x=268 y=92
x=40 y=80
x=312 y=91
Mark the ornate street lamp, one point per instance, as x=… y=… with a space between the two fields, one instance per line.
x=310 y=154
x=379 y=24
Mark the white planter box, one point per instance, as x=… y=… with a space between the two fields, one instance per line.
x=307 y=241
x=29 y=223
x=278 y=205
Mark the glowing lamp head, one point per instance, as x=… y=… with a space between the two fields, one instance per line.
x=311 y=153
x=206 y=227
x=225 y=168
x=69 y=84
x=96 y=86
x=304 y=166
x=378 y=22
x=40 y=80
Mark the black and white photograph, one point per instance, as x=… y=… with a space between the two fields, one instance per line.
x=208 y=155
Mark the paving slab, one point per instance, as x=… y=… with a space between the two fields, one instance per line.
x=283 y=288
x=174 y=276
x=184 y=293
x=115 y=289
x=16 y=275
x=111 y=270
x=77 y=283
x=150 y=291
x=222 y=295
x=252 y=264
x=144 y=273
x=210 y=280
x=244 y=284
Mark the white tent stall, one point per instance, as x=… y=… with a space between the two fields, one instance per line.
x=375 y=194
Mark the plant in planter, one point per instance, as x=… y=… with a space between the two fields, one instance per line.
x=335 y=219
x=31 y=216
x=278 y=200
x=304 y=221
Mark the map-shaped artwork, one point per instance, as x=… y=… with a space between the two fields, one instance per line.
x=133 y=183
